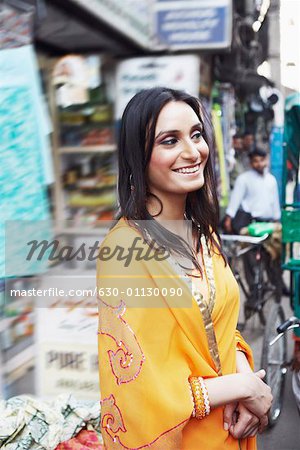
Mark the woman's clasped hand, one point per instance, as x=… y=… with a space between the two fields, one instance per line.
x=249 y=416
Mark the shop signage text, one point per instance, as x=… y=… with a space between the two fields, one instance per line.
x=191 y=24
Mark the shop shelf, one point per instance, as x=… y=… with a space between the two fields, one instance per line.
x=88 y=149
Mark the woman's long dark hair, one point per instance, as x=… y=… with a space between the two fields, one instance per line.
x=136 y=140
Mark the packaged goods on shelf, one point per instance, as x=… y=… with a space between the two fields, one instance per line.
x=85 y=140
x=105 y=199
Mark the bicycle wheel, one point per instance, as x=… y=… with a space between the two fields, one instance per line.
x=258 y=295
x=273 y=360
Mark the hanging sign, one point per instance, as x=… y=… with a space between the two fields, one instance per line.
x=130 y=17
x=176 y=72
x=192 y=24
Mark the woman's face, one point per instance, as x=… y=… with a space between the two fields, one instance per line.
x=179 y=153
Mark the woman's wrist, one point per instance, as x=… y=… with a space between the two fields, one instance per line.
x=227 y=389
x=242 y=364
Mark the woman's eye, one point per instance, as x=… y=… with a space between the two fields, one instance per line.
x=170 y=141
x=197 y=136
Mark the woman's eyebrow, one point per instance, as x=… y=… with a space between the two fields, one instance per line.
x=196 y=126
x=166 y=132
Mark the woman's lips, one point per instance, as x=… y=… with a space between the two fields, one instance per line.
x=188 y=171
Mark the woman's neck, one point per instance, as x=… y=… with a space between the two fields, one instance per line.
x=172 y=213
x=173 y=206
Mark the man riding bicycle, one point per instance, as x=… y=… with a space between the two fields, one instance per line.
x=255 y=198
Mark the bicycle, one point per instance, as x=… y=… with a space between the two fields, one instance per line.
x=274 y=360
x=262 y=289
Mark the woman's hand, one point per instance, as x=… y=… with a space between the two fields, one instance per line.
x=259 y=399
x=241 y=423
x=247 y=388
x=229 y=415
x=237 y=417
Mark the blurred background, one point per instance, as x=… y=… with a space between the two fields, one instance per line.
x=67 y=70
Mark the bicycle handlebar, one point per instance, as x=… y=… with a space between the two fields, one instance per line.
x=244 y=239
x=285 y=325
x=290 y=324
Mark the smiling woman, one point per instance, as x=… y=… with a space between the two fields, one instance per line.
x=174 y=372
x=164 y=130
x=179 y=153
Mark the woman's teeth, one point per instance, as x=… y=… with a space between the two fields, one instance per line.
x=188 y=170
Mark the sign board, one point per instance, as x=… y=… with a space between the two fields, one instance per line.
x=66 y=337
x=66 y=367
x=192 y=24
x=176 y=72
x=130 y=17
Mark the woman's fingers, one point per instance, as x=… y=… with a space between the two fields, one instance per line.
x=228 y=415
x=245 y=425
x=261 y=373
x=238 y=432
x=259 y=428
x=263 y=423
x=251 y=433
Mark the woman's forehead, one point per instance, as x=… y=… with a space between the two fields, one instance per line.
x=176 y=114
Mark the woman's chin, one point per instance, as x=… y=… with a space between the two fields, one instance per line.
x=194 y=185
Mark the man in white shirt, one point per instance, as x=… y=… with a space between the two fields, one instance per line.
x=255 y=192
x=255 y=198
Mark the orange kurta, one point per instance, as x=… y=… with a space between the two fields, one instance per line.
x=152 y=337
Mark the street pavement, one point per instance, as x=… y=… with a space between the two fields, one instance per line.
x=285 y=435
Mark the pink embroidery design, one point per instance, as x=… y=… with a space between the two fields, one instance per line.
x=111 y=418
x=126 y=362
x=112 y=423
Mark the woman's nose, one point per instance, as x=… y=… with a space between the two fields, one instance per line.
x=190 y=150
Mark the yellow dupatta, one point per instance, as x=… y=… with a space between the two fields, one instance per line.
x=150 y=344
